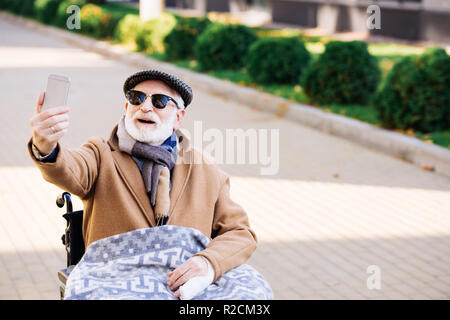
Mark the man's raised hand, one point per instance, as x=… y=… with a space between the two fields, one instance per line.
x=49 y=125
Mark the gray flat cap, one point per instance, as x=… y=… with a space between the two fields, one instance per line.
x=172 y=81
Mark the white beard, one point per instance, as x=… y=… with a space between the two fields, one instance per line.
x=154 y=136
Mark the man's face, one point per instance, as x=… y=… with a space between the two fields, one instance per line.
x=163 y=121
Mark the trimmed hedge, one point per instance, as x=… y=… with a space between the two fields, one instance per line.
x=416 y=94
x=434 y=52
x=346 y=73
x=46 y=10
x=127 y=28
x=27 y=8
x=111 y=27
x=150 y=34
x=223 y=46
x=181 y=40
x=11 y=5
x=95 y=21
x=61 y=13
x=277 y=60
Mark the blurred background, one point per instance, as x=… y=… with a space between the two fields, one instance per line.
x=336 y=210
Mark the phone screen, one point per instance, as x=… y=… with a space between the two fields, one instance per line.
x=57 y=91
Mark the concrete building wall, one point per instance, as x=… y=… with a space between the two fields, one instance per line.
x=293 y=12
x=217 y=5
x=399 y=23
x=411 y=20
x=435 y=26
x=426 y=20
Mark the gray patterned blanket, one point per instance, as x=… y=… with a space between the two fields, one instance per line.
x=134 y=265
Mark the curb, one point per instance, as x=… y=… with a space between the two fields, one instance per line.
x=427 y=156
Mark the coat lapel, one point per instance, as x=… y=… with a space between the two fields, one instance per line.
x=130 y=173
x=181 y=171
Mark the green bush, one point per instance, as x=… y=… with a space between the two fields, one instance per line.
x=181 y=40
x=23 y=7
x=61 y=13
x=110 y=28
x=46 y=10
x=127 y=28
x=27 y=8
x=277 y=60
x=416 y=94
x=346 y=73
x=94 y=21
x=223 y=46
x=4 y=4
x=150 y=34
x=434 y=52
x=12 y=5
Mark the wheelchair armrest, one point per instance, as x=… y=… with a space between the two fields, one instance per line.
x=63 y=274
x=73 y=237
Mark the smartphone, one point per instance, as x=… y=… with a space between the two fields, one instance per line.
x=57 y=91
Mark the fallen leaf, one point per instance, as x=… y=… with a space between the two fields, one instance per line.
x=427 y=168
x=336 y=175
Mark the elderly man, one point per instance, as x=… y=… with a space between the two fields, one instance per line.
x=146 y=174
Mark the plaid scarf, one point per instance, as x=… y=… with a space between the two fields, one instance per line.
x=156 y=164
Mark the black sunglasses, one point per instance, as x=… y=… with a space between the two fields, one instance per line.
x=159 y=100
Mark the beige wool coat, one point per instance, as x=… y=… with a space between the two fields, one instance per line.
x=112 y=190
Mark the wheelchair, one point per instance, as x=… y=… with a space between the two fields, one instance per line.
x=72 y=238
x=73 y=241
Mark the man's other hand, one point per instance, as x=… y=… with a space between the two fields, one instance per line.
x=193 y=267
x=48 y=126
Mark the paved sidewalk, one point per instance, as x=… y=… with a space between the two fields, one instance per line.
x=333 y=209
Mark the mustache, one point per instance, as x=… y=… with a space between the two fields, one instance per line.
x=148 y=116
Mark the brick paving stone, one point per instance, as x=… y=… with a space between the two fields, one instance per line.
x=442 y=286
x=391 y=280
x=434 y=293
x=406 y=289
x=50 y=295
x=317 y=233
x=347 y=292
x=331 y=295
x=47 y=287
x=29 y=294
x=303 y=289
x=8 y=293
x=396 y=295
